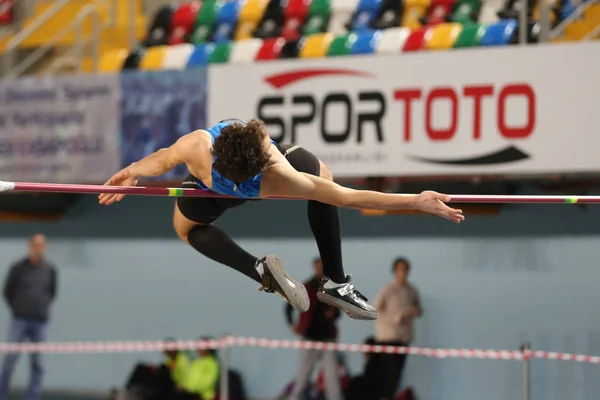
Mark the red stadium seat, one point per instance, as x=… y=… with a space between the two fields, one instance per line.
x=438 y=11
x=295 y=17
x=271 y=49
x=416 y=40
x=183 y=22
x=6 y=11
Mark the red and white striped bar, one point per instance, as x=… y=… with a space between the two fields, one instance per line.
x=179 y=192
x=237 y=341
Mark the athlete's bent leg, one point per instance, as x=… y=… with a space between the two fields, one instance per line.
x=192 y=220
x=336 y=288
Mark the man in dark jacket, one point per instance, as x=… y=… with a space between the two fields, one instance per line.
x=29 y=289
x=317 y=324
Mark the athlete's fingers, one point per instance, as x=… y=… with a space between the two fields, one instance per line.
x=443 y=197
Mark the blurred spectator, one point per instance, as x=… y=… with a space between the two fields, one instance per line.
x=29 y=289
x=369 y=385
x=398 y=304
x=149 y=382
x=317 y=324
x=202 y=377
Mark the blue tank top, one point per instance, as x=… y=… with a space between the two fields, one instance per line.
x=247 y=189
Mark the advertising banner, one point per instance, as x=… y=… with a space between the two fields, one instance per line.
x=511 y=110
x=59 y=129
x=157 y=109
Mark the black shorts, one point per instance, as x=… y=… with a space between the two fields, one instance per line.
x=206 y=210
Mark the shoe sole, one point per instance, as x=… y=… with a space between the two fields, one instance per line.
x=352 y=311
x=294 y=292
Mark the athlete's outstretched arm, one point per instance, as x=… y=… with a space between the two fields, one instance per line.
x=285 y=181
x=155 y=164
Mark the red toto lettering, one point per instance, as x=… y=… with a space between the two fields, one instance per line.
x=477 y=93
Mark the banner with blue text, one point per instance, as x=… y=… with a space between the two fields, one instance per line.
x=157 y=109
x=59 y=129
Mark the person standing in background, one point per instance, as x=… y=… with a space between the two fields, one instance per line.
x=317 y=324
x=29 y=289
x=398 y=305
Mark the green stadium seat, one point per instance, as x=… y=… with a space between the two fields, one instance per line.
x=318 y=17
x=206 y=21
x=466 y=11
x=221 y=53
x=470 y=36
x=340 y=46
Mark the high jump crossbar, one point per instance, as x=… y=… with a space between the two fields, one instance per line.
x=180 y=192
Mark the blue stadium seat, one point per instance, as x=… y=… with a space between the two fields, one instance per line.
x=364 y=41
x=200 y=56
x=500 y=34
x=226 y=21
x=366 y=12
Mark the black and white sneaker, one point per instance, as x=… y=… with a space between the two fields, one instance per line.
x=275 y=279
x=346 y=298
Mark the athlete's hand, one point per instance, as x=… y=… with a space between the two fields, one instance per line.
x=434 y=203
x=121 y=178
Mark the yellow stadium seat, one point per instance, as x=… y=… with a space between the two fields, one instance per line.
x=442 y=36
x=112 y=61
x=153 y=59
x=316 y=46
x=250 y=16
x=414 y=10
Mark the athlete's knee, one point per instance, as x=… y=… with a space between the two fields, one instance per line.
x=325 y=172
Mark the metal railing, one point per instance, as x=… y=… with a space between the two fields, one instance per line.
x=80 y=42
x=560 y=28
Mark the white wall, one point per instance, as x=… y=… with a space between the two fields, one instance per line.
x=477 y=293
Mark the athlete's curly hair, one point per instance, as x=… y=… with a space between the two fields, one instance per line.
x=239 y=150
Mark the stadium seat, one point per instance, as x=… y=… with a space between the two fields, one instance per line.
x=220 y=53
x=318 y=17
x=182 y=22
x=414 y=11
x=177 y=56
x=245 y=51
x=290 y=49
x=392 y=40
x=466 y=11
x=366 y=13
x=295 y=15
x=133 y=59
x=364 y=41
x=270 y=49
x=390 y=15
x=227 y=19
x=271 y=23
x=443 y=36
x=7 y=15
x=470 y=36
x=250 y=16
x=206 y=21
x=416 y=40
x=500 y=33
x=200 y=55
x=439 y=11
x=153 y=58
x=341 y=15
x=112 y=61
x=340 y=46
x=569 y=6
x=315 y=46
x=488 y=13
x=160 y=28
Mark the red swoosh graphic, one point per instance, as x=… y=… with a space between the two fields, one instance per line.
x=287 y=78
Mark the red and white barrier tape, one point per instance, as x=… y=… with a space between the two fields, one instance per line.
x=236 y=341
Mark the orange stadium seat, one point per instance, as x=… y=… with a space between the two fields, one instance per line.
x=245 y=51
x=442 y=36
x=177 y=57
x=414 y=11
x=112 y=61
x=250 y=16
x=316 y=46
x=154 y=58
